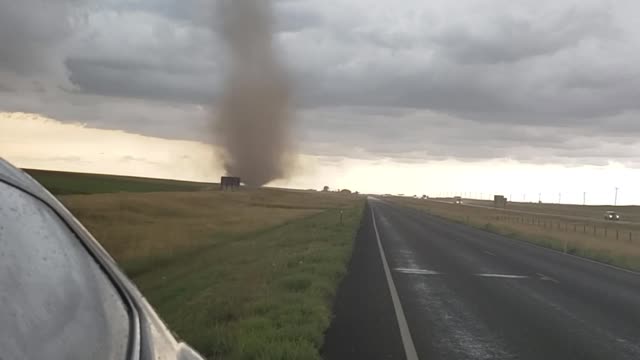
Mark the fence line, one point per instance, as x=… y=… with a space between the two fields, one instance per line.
x=563 y=226
x=603 y=231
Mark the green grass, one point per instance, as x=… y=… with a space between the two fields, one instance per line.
x=249 y=274
x=65 y=183
x=266 y=295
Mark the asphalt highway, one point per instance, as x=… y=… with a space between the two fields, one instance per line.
x=419 y=287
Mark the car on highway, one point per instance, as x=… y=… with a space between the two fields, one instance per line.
x=611 y=216
x=457 y=200
x=62 y=295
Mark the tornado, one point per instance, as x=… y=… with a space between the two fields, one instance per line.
x=253 y=119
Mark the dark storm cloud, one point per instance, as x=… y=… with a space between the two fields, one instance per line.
x=176 y=62
x=135 y=50
x=293 y=17
x=33 y=34
x=418 y=134
x=197 y=12
x=438 y=79
x=561 y=65
x=142 y=80
x=511 y=39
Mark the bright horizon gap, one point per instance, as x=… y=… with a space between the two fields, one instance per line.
x=58 y=146
x=465 y=195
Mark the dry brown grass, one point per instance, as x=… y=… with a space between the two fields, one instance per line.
x=628 y=213
x=134 y=226
x=608 y=243
x=238 y=275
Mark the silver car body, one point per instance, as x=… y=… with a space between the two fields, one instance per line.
x=62 y=296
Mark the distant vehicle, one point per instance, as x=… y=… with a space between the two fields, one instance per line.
x=611 y=216
x=499 y=201
x=457 y=200
x=63 y=296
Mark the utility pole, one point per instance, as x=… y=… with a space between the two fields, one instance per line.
x=539 y=197
x=559 y=198
x=584 y=198
x=615 y=201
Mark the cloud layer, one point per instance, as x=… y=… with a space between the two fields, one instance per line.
x=550 y=81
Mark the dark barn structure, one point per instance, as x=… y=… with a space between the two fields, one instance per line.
x=229 y=183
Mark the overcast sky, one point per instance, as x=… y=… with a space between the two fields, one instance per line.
x=539 y=82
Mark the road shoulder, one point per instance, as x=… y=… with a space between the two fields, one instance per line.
x=364 y=324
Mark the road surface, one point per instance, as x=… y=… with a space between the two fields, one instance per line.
x=419 y=287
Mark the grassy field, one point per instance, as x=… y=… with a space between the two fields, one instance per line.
x=63 y=183
x=629 y=213
x=238 y=275
x=616 y=244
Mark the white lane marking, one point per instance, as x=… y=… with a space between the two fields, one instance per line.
x=502 y=276
x=541 y=276
x=407 y=341
x=489 y=253
x=544 y=277
x=416 y=271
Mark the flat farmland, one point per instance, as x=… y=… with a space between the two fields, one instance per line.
x=247 y=274
x=594 y=212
